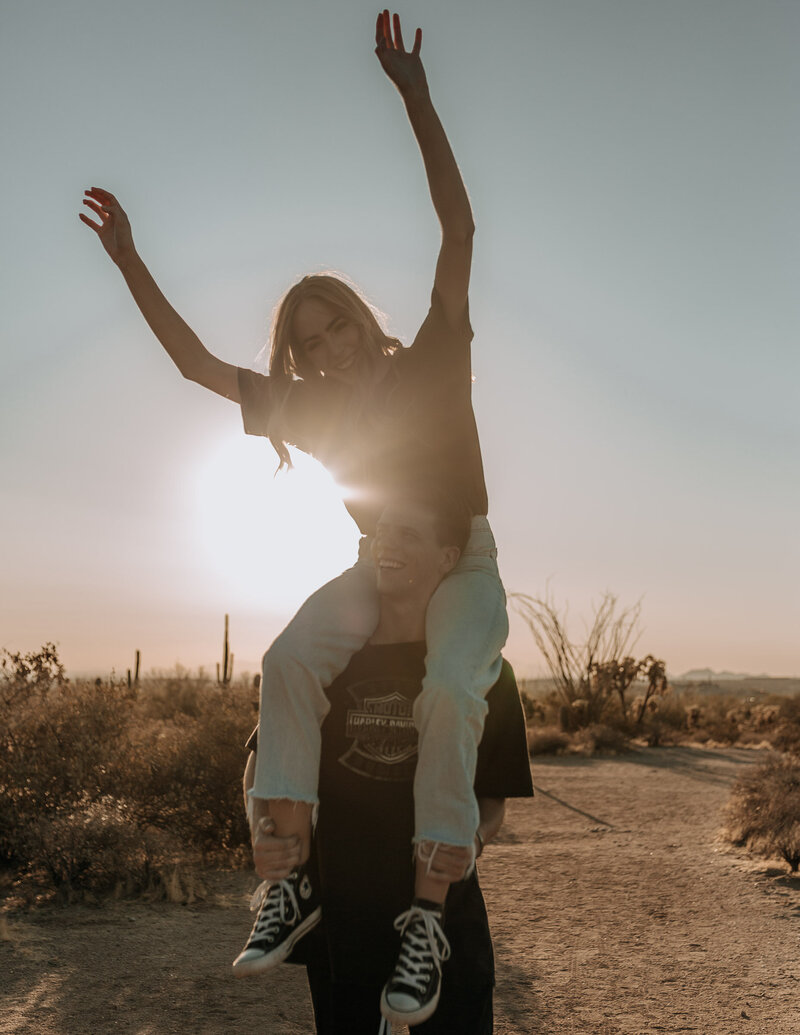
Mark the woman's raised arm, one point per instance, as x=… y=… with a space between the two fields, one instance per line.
x=183 y=346
x=448 y=192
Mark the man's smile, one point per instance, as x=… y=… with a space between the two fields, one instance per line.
x=390 y=562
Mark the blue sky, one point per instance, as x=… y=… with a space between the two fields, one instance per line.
x=633 y=167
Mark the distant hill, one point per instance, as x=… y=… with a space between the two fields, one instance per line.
x=736 y=686
x=702 y=681
x=707 y=675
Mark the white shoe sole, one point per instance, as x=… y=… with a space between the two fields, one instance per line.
x=244 y=967
x=408 y=1017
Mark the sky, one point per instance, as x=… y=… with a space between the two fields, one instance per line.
x=633 y=168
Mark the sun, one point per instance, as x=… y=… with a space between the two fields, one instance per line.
x=271 y=539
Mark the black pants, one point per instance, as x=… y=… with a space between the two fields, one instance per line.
x=347 y=1008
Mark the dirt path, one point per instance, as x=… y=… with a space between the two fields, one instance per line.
x=614 y=909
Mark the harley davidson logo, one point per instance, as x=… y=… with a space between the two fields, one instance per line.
x=382 y=729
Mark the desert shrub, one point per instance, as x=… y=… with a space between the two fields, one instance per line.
x=98 y=847
x=724 y=718
x=100 y=784
x=789 y=709
x=168 y=696
x=544 y=709
x=56 y=741
x=763 y=812
x=534 y=710
x=671 y=713
x=786 y=735
x=786 y=738
x=712 y=719
x=595 y=679
x=186 y=775
x=656 y=732
x=597 y=738
x=547 y=740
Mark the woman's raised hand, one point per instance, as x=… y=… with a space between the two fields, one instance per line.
x=403 y=67
x=114 y=230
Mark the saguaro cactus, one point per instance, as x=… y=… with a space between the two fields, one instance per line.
x=225 y=671
x=135 y=681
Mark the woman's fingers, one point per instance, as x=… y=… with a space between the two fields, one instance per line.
x=93 y=205
x=99 y=211
x=104 y=197
x=389 y=34
x=387 y=30
x=450 y=862
x=274 y=857
x=266 y=843
x=89 y=222
x=451 y=875
x=452 y=851
x=103 y=194
x=272 y=869
x=398 y=34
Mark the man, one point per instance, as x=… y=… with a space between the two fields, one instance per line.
x=364 y=867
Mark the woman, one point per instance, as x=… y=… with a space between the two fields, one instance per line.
x=382 y=419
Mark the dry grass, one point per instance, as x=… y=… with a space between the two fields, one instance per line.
x=547 y=740
x=763 y=813
x=674 y=717
x=106 y=789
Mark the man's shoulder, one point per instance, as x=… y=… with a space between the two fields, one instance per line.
x=504 y=695
x=503 y=769
x=506 y=681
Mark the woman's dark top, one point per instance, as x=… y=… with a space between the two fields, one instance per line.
x=417 y=427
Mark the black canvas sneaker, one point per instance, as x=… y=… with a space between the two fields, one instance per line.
x=411 y=994
x=288 y=910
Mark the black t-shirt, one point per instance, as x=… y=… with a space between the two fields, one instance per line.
x=362 y=844
x=366 y=812
x=417 y=427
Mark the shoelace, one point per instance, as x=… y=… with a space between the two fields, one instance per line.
x=276 y=904
x=424 y=945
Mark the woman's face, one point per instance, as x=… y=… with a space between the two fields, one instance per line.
x=330 y=342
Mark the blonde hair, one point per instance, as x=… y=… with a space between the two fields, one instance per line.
x=287 y=361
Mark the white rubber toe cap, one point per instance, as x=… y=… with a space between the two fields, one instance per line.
x=401 y=1002
x=246 y=959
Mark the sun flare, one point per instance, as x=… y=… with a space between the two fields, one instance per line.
x=271 y=539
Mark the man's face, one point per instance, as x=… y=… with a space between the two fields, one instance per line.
x=409 y=561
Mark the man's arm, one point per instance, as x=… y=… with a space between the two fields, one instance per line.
x=492 y=813
x=450 y=863
x=182 y=345
x=448 y=193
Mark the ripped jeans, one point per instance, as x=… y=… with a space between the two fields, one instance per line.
x=466 y=626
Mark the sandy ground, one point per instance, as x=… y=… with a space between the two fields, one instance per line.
x=614 y=906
